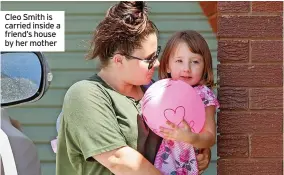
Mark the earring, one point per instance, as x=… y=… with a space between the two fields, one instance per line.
x=205 y=76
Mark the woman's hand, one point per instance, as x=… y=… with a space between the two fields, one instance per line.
x=182 y=133
x=203 y=159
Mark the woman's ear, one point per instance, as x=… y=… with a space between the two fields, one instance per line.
x=117 y=59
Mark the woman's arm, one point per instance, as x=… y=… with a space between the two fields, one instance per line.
x=93 y=129
x=126 y=161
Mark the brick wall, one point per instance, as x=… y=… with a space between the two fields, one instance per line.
x=210 y=10
x=250 y=122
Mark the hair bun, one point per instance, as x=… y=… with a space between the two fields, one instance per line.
x=134 y=14
x=142 y=6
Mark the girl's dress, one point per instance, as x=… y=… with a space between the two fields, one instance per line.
x=178 y=158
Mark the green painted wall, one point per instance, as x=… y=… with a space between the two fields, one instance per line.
x=38 y=119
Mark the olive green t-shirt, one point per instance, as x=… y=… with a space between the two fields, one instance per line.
x=97 y=119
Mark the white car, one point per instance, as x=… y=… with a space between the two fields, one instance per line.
x=25 y=77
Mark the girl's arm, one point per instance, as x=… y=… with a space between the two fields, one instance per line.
x=205 y=139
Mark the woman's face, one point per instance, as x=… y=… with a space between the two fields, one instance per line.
x=136 y=71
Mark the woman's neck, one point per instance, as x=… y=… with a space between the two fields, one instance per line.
x=114 y=80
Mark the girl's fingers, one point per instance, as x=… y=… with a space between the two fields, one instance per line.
x=172 y=125
x=165 y=135
x=164 y=132
x=186 y=125
x=166 y=129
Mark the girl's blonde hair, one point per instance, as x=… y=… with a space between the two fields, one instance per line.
x=197 y=45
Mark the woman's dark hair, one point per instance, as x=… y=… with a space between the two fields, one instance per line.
x=197 y=45
x=123 y=29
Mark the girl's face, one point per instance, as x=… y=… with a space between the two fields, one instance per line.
x=136 y=71
x=185 y=65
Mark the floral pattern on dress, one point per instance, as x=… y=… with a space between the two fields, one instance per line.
x=178 y=158
x=207 y=96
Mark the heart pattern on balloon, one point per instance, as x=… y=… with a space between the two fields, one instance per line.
x=175 y=115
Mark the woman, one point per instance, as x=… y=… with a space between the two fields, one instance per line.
x=101 y=131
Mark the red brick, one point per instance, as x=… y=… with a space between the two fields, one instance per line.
x=250 y=166
x=267 y=145
x=250 y=75
x=213 y=23
x=233 y=98
x=267 y=51
x=233 y=146
x=209 y=7
x=267 y=6
x=233 y=7
x=250 y=122
x=250 y=26
x=269 y=98
x=233 y=51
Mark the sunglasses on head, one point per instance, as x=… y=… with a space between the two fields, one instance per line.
x=150 y=60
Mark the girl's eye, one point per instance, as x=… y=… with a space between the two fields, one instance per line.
x=179 y=61
x=195 y=62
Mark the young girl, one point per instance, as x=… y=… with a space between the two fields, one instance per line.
x=187 y=57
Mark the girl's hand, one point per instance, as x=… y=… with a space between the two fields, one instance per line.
x=182 y=133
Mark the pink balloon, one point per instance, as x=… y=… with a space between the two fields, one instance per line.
x=172 y=100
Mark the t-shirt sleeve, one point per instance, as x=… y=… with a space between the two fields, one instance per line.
x=208 y=97
x=91 y=126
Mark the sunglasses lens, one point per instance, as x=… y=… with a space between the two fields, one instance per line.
x=150 y=66
x=154 y=58
x=152 y=63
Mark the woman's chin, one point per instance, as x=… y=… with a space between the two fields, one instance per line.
x=149 y=78
x=146 y=81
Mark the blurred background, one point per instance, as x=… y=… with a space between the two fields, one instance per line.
x=38 y=119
